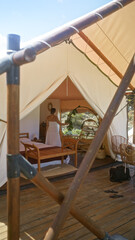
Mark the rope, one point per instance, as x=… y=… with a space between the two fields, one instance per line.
x=132 y=101
x=46 y=43
x=3 y=121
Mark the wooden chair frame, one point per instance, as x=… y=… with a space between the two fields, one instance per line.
x=84 y=142
x=32 y=151
x=24 y=135
x=71 y=143
x=116 y=141
x=127 y=154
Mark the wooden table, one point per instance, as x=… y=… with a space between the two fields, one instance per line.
x=33 y=152
x=69 y=147
x=57 y=152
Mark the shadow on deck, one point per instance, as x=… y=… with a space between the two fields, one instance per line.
x=115 y=215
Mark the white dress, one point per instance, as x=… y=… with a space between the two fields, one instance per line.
x=52 y=135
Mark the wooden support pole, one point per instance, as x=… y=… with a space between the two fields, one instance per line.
x=48 y=187
x=101 y=55
x=13 y=184
x=53 y=232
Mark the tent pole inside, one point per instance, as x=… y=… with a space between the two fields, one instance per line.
x=53 y=232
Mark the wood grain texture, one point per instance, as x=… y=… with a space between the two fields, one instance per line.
x=114 y=215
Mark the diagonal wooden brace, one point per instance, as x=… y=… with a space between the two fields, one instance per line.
x=46 y=186
x=53 y=232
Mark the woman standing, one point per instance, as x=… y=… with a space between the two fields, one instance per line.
x=52 y=128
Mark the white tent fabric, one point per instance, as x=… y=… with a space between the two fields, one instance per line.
x=88 y=79
x=40 y=78
x=114 y=37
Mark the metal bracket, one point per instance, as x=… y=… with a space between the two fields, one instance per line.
x=13 y=168
x=107 y=237
x=5 y=63
x=114 y=237
x=13 y=75
x=26 y=168
x=17 y=164
x=68 y=41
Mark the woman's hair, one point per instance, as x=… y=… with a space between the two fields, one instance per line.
x=53 y=110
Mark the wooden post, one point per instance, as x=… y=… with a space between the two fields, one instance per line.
x=53 y=232
x=13 y=184
x=49 y=188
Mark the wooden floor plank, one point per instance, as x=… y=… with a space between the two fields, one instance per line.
x=58 y=170
x=38 y=209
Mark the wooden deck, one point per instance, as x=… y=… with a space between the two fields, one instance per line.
x=115 y=215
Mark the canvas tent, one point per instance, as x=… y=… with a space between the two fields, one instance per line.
x=114 y=36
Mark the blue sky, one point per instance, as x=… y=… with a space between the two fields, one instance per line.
x=32 y=18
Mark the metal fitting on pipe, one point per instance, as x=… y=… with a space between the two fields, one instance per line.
x=5 y=63
x=17 y=164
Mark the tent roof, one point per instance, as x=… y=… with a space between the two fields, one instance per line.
x=110 y=29
x=67 y=91
x=114 y=37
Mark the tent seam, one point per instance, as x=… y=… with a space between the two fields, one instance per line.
x=112 y=43
x=94 y=64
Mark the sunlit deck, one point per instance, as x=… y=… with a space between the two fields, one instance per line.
x=115 y=215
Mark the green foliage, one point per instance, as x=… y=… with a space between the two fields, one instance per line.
x=75 y=120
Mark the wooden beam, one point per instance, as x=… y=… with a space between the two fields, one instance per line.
x=49 y=188
x=102 y=56
x=13 y=184
x=65 y=32
x=53 y=232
